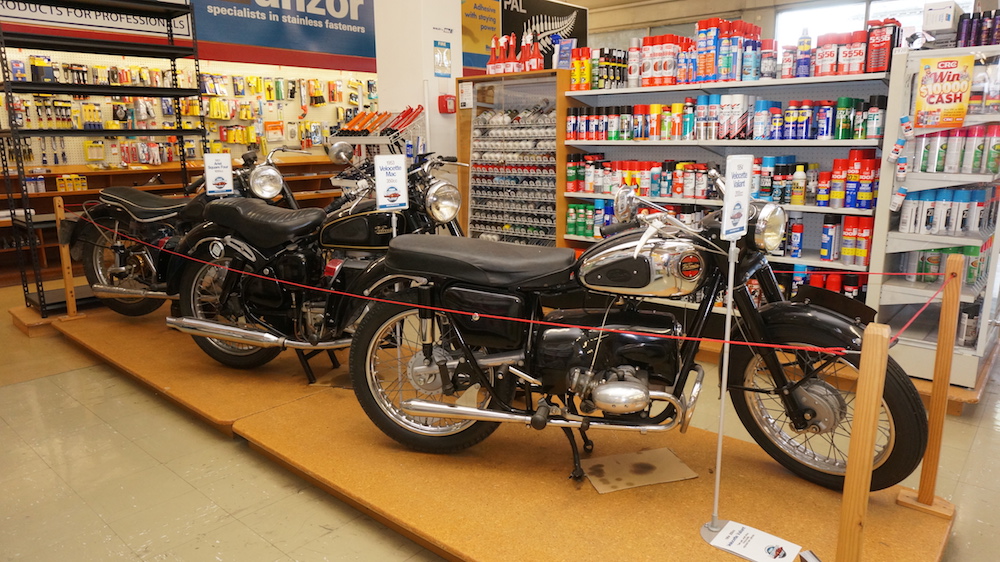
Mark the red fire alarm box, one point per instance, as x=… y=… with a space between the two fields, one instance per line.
x=446 y=103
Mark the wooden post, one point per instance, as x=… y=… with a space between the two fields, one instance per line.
x=861 y=452
x=924 y=499
x=64 y=260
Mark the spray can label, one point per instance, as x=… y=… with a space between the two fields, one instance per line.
x=829 y=250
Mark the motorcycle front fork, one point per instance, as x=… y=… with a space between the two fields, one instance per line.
x=756 y=330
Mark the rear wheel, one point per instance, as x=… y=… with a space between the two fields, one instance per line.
x=386 y=360
x=200 y=297
x=102 y=245
x=819 y=454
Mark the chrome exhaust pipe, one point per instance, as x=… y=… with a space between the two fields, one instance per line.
x=441 y=410
x=485 y=361
x=113 y=292
x=219 y=331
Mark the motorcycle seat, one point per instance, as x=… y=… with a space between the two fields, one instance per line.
x=142 y=206
x=261 y=224
x=482 y=262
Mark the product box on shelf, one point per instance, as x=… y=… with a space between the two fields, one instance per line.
x=941 y=16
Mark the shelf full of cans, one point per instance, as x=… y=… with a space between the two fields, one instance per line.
x=733 y=51
x=731 y=117
x=851 y=187
x=513 y=175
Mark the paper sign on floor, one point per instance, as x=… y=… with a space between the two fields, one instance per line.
x=629 y=470
x=753 y=544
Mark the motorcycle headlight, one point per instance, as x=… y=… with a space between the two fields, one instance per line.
x=443 y=201
x=769 y=228
x=266 y=182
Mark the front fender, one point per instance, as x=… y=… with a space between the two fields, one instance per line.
x=847 y=331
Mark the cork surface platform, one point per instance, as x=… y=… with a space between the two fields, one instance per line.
x=508 y=497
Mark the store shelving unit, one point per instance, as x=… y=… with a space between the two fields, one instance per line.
x=16 y=135
x=823 y=151
x=898 y=300
x=516 y=168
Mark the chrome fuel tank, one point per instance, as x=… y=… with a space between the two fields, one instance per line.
x=664 y=268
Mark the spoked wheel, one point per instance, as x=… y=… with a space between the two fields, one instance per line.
x=103 y=248
x=387 y=368
x=200 y=296
x=819 y=453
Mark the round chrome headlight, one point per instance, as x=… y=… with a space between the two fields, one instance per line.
x=443 y=201
x=769 y=228
x=265 y=182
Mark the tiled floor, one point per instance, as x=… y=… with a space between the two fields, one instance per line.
x=94 y=466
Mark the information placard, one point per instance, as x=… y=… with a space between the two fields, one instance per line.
x=390 y=182
x=219 y=174
x=739 y=170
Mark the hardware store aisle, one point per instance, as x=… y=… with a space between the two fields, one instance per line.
x=96 y=467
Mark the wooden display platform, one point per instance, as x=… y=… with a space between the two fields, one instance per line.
x=508 y=497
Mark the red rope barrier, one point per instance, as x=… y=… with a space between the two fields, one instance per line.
x=829 y=350
x=922 y=309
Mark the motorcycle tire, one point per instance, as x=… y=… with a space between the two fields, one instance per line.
x=98 y=258
x=200 y=286
x=385 y=345
x=821 y=457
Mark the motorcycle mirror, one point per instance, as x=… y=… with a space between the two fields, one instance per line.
x=626 y=204
x=340 y=152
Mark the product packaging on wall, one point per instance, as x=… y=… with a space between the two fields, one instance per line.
x=245 y=106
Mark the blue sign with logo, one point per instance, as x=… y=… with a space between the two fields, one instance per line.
x=343 y=28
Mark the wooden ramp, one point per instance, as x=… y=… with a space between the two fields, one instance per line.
x=509 y=497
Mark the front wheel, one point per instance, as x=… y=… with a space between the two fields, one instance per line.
x=112 y=259
x=201 y=298
x=386 y=361
x=819 y=454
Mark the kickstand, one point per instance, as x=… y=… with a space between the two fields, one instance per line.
x=588 y=445
x=305 y=356
x=577 y=473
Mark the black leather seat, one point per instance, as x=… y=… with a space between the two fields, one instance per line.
x=261 y=224
x=483 y=262
x=141 y=205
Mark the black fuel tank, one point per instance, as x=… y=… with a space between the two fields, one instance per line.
x=557 y=350
x=361 y=227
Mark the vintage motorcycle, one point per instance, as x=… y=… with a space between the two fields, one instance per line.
x=123 y=237
x=438 y=370
x=260 y=283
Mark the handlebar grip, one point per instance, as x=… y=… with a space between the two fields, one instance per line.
x=618 y=227
x=194 y=186
x=449 y=158
x=336 y=204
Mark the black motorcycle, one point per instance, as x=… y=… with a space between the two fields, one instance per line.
x=260 y=281
x=125 y=238
x=440 y=371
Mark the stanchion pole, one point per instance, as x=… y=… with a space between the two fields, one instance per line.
x=924 y=499
x=861 y=452
x=64 y=260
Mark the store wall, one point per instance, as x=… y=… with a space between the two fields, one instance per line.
x=405 y=50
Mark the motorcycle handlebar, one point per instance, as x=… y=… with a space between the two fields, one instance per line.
x=194 y=186
x=336 y=204
x=619 y=227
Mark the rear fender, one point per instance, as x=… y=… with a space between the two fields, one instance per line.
x=73 y=227
x=194 y=246
x=370 y=284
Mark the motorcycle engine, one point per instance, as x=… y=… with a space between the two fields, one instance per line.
x=610 y=371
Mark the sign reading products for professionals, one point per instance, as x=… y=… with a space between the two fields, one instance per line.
x=92 y=20
x=339 y=27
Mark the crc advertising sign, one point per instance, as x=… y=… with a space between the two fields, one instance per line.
x=482 y=20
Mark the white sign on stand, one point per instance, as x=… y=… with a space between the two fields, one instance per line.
x=739 y=173
x=752 y=544
x=219 y=175
x=390 y=182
